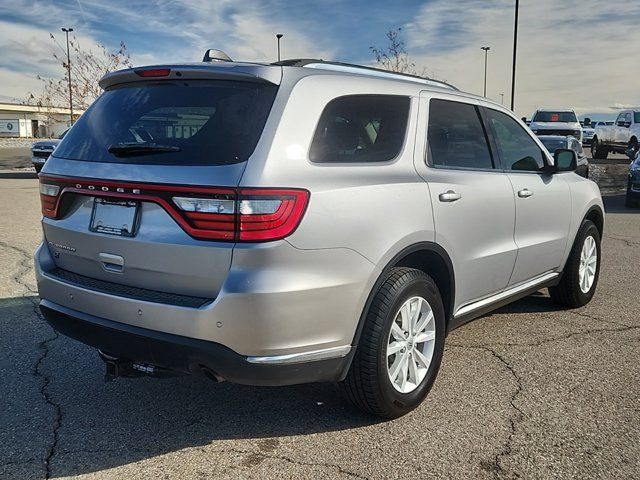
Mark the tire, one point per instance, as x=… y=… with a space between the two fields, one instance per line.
x=569 y=292
x=598 y=151
x=368 y=384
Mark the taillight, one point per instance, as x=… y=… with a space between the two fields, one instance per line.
x=49 y=195
x=255 y=215
x=269 y=214
x=205 y=213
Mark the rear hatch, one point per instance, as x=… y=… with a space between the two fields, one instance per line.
x=142 y=191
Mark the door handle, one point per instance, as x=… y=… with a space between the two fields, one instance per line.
x=524 y=193
x=449 y=196
x=111 y=263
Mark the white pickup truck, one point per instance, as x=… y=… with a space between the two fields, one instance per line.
x=619 y=137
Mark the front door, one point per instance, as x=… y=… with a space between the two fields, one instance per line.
x=543 y=202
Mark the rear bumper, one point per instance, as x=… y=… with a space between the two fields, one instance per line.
x=279 y=306
x=182 y=354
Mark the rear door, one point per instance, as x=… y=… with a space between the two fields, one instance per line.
x=140 y=192
x=472 y=200
x=543 y=202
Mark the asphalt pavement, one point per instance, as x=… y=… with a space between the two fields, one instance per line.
x=530 y=391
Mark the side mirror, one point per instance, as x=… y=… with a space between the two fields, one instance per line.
x=565 y=160
x=620 y=123
x=627 y=124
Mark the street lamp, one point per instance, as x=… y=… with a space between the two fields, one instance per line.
x=486 y=52
x=515 y=45
x=66 y=31
x=279 y=36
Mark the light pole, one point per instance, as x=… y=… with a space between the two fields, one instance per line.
x=279 y=36
x=486 y=52
x=66 y=31
x=515 y=46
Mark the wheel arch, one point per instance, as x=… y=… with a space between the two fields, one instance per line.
x=596 y=215
x=429 y=257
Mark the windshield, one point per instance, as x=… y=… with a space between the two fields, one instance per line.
x=553 y=144
x=555 y=117
x=198 y=122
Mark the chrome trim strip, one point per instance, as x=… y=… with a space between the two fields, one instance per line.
x=505 y=294
x=313 y=356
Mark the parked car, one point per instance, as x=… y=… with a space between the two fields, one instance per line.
x=302 y=221
x=588 y=131
x=556 y=121
x=619 y=137
x=41 y=150
x=555 y=142
x=632 y=198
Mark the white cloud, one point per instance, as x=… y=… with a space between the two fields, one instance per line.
x=578 y=53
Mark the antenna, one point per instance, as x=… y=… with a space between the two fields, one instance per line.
x=213 y=55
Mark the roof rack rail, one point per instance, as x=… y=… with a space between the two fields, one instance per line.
x=353 y=68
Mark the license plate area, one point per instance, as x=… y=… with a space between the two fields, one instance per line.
x=115 y=217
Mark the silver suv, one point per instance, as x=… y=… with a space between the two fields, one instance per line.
x=274 y=224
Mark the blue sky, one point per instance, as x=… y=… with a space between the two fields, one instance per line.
x=576 y=53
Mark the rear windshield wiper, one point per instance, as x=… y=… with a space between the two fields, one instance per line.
x=134 y=149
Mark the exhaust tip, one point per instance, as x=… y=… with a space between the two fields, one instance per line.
x=211 y=374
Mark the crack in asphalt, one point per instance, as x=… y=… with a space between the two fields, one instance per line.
x=496 y=465
x=556 y=339
x=43 y=347
x=293 y=461
x=620 y=238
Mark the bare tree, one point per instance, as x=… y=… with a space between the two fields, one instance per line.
x=394 y=56
x=87 y=67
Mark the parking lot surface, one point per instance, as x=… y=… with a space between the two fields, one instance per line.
x=530 y=391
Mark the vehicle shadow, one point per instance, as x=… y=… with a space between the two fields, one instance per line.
x=615 y=204
x=106 y=425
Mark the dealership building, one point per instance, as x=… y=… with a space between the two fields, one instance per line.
x=29 y=121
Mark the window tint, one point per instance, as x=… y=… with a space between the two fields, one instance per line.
x=636 y=117
x=205 y=122
x=361 y=128
x=456 y=137
x=518 y=151
x=548 y=116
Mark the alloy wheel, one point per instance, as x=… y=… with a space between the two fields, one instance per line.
x=411 y=344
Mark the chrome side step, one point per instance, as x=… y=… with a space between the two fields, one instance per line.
x=511 y=292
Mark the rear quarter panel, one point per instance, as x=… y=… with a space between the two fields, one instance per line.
x=374 y=209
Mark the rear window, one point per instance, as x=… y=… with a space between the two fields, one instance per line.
x=361 y=128
x=199 y=122
x=555 y=117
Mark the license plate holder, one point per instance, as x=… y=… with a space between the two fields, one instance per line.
x=115 y=217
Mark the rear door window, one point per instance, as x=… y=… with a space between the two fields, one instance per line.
x=197 y=122
x=361 y=128
x=456 y=137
